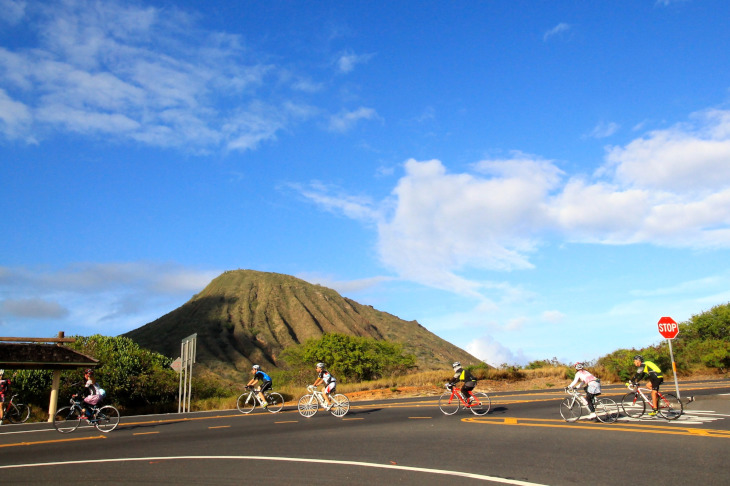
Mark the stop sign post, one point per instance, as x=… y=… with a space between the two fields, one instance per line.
x=669 y=329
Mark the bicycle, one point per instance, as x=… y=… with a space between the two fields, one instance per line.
x=68 y=419
x=310 y=403
x=634 y=403
x=450 y=402
x=571 y=407
x=248 y=400
x=17 y=413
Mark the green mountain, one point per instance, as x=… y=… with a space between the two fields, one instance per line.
x=245 y=316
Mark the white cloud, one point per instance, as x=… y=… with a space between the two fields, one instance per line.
x=123 y=296
x=561 y=27
x=604 y=130
x=344 y=121
x=12 y=11
x=32 y=309
x=670 y=188
x=347 y=61
x=553 y=316
x=494 y=353
x=138 y=73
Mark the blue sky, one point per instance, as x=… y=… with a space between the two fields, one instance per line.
x=526 y=179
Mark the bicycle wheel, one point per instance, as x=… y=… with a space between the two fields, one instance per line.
x=633 y=405
x=669 y=406
x=340 y=405
x=276 y=402
x=481 y=403
x=606 y=410
x=570 y=409
x=107 y=419
x=23 y=412
x=12 y=413
x=246 y=403
x=307 y=406
x=449 y=405
x=67 y=419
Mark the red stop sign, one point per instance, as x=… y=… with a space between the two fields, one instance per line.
x=668 y=328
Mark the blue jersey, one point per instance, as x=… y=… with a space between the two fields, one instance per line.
x=262 y=376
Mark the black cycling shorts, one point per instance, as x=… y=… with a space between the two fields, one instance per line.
x=655 y=382
x=265 y=386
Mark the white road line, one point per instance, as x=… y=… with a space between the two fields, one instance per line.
x=288 y=459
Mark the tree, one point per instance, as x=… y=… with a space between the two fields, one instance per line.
x=351 y=357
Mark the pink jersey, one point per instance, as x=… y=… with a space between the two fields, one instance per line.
x=582 y=375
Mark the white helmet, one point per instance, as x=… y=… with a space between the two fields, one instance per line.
x=256 y=367
x=320 y=366
x=578 y=366
x=456 y=365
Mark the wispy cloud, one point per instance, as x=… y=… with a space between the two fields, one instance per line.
x=669 y=188
x=134 y=72
x=344 y=121
x=78 y=297
x=604 y=130
x=558 y=29
x=346 y=62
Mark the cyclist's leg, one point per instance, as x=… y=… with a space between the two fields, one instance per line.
x=466 y=391
x=329 y=389
x=264 y=386
x=590 y=397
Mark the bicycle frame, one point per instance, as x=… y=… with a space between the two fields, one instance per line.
x=457 y=392
x=668 y=406
x=477 y=403
x=308 y=404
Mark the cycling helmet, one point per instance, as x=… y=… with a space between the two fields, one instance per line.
x=578 y=366
x=639 y=357
x=256 y=367
x=320 y=366
x=456 y=365
x=88 y=371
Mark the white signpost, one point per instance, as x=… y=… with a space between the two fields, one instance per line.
x=186 y=360
x=669 y=330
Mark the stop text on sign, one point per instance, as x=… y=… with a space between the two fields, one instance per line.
x=668 y=328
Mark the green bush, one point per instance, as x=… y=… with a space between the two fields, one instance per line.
x=351 y=358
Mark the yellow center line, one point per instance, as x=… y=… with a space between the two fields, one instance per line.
x=219 y=427
x=287 y=422
x=355 y=418
x=616 y=427
x=420 y=418
x=145 y=433
x=52 y=441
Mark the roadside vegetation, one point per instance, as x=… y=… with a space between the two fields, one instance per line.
x=141 y=381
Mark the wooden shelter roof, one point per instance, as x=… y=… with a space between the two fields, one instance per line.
x=35 y=356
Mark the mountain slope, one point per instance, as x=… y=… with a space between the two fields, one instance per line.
x=245 y=316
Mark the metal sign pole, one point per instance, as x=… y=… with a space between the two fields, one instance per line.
x=180 y=388
x=674 y=368
x=187 y=358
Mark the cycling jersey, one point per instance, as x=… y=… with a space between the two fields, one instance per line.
x=327 y=377
x=465 y=376
x=649 y=369
x=4 y=389
x=260 y=375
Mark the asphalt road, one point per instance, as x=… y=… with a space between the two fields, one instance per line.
x=522 y=440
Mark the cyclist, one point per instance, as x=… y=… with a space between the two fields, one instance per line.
x=92 y=394
x=329 y=381
x=460 y=374
x=655 y=376
x=4 y=390
x=266 y=383
x=592 y=387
